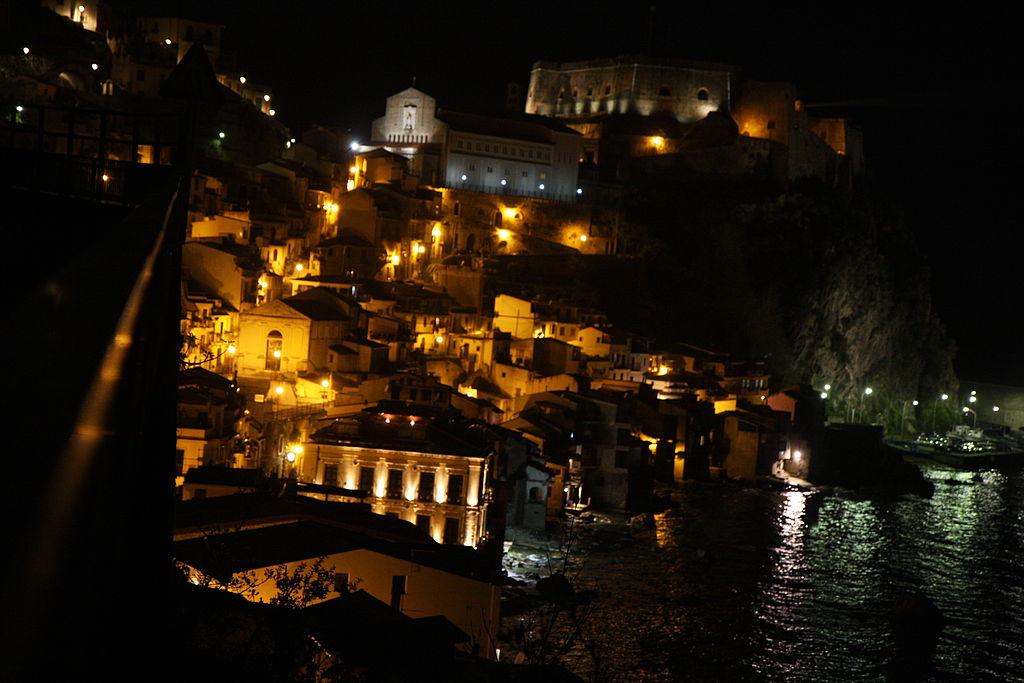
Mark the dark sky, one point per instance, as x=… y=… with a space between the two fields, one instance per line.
x=934 y=90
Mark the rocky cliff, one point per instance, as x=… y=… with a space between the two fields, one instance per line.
x=826 y=287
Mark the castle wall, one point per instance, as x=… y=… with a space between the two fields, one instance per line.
x=685 y=90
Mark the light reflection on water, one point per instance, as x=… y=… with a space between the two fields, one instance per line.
x=752 y=584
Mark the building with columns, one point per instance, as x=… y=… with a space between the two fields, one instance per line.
x=420 y=463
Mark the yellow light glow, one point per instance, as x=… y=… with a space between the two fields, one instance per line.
x=350 y=185
x=266 y=98
x=656 y=141
x=325 y=383
x=298 y=448
x=395 y=259
x=509 y=212
x=290 y=456
x=662 y=369
x=422 y=249
x=277 y=354
x=262 y=283
x=279 y=389
x=436 y=232
x=232 y=348
x=105 y=177
x=504 y=234
x=583 y=238
x=298 y=267
x=353 y=169
x=439 y=339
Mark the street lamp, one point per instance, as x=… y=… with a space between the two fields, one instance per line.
x=968 y=410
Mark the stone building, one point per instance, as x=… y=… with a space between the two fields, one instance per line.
x=420 y=463
x=524 y=156
x=647 y=86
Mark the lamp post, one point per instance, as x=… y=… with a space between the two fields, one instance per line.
x=968 y=410
x=935 y=411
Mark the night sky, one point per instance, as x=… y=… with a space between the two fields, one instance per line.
x=934 y=91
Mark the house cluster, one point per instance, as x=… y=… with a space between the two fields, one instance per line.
x=366 y=382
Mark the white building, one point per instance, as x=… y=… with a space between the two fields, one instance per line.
x=528 y=156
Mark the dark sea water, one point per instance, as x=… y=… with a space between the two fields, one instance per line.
x=740 y=584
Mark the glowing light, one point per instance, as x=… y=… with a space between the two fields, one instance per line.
x=25 y=50
x=241 y=79
x=797 y=455
x=19 y=108
x=824 y=394
x=656 y=141
x=266 y=98
x=325 y=383
x=945 y=397
x=422 y=249
x=966 y=409
x=353 y=169
x=974 y=393
x=436 y=231
x=579 y=190
x=94 y=66
x=662 y=369
x=262 y=283
x=541 y=186
x=277 y=354
x=298 y=267
x=504 y=182
x=583 y=238
x=221 y=135
x=439 y=339
x=868 y=391
x=509 y=212
x=915 y=402
x=504 y=234
x=828 y=387
x=105 y=177
x=463 y=176
x=995 y=409
x=81 y=8
x=290 y=456
x=353 y=145
x=279 y=389
x=167 y=41
x=232 y=348
x=412 y=423
x=292 y=141
x=973 y=399
x=763 y=397
x=272 y=112
x=387 y=420
x=395 y=259
x=298 y=448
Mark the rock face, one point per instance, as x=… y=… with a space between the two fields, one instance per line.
x=810 y=277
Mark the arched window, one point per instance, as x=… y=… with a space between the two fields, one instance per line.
x=702 y=95
x=497 y=219
x=274 y=344
x=470 y=242
x=536 y=494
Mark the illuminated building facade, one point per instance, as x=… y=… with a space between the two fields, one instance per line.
x=524 y=156
x=419 y=463
x=629 y=85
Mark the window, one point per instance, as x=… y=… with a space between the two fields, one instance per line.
x=490 y=169
x=524 y=174
x=702 y=95
x=331 y=474
x=455 y=488
x=341 y=582
x=274 y=344
x=663 y=91
x=472 y=167
x=423 y=522
x=426 y=491
x=590 y=92
x=536 y=494
x=771 y=125
x=366 y=477
x=607 y=90
x=394 y=483
x=397 y=591
x=179 y=461
x=458 y=209
x=451 y=531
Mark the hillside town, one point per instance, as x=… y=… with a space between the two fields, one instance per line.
x=396 y=357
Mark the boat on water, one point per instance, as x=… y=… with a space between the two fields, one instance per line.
x=967 y=448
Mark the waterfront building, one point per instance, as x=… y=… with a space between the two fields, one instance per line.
x=420 y=463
